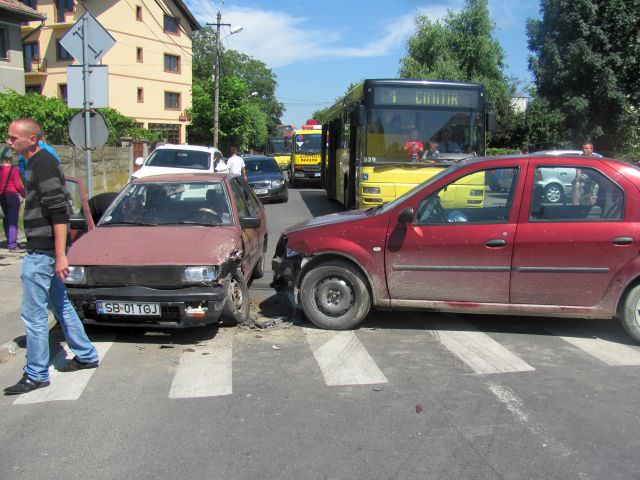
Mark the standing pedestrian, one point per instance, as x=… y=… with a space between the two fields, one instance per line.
x=45 y=266
x=10 y=199
x=42 y=143
x=235 y=163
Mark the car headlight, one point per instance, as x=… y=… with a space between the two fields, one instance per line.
x=199 y=274
x=476 y=193
x=371 y=190
x=277 y=183
x=75 y=276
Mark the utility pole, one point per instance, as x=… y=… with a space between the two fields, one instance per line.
x=216 y=75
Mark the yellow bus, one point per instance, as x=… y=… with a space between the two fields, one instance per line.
x=306 y=146
x=378 y=140
x=280 y=149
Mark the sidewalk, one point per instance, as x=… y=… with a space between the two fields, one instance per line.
x=11 y=327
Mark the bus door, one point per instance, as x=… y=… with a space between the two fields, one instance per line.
x=329 y=157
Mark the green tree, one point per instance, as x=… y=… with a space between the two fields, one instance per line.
x=585 y=64
x=462 y=47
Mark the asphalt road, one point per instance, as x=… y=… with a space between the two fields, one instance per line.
x=407 y=396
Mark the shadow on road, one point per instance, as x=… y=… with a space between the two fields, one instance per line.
x=317 y=203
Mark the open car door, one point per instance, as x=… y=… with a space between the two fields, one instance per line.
x=79 y=214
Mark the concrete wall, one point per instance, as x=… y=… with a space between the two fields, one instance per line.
x=12 y=68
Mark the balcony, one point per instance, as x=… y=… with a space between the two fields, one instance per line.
x=36 y=68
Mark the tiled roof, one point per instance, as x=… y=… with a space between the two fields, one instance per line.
x=20 y=9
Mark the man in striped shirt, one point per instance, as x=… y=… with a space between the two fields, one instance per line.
x=45 y=266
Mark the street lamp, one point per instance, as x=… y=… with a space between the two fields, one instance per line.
x=216 y=79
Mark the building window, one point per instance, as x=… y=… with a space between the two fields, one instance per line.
x=140 y=95
x=171 y=101
x=170 y=131
x=62 y=91
x=33 y=89
x=62 y=7
x=139 y=124
x=62 y=53
x=138 y=13
x=4 y=44
x=171 y=24
x=31 y=53
x=171 y=63
x=139 y=54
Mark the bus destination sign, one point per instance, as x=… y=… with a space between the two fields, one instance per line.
x=426 y=97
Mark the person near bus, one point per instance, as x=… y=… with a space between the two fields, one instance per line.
x=413 y=146
x=10 y=197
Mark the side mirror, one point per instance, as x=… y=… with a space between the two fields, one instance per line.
x=139 y=161
x=78 y=223
x=249 y=222
x=406 y=216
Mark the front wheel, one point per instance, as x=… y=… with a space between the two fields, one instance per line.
x=631 y=313
x=334 y=296
x=236 y=305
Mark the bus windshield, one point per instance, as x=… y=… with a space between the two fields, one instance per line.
x=279 y=145
x=308 y=142
x=403 y=135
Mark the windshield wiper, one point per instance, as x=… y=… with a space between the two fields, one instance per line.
x=129 y=222
x=190 y=222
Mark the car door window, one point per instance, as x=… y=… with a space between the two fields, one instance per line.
x=574 y=193
x=252 y=200
x=239 y=196
x=470 y=200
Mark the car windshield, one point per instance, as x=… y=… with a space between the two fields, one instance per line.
x=170 y=204
x=176 y=158
x=261 y=165
x=308 y=142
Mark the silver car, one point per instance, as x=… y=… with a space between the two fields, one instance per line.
x=557 y=182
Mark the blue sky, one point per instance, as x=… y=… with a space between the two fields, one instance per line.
x=317 y=48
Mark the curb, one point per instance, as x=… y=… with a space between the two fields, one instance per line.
x=9 y=349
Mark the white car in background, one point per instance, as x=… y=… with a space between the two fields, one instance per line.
x=177 y=159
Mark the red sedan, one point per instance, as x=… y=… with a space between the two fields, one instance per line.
x=514 y=253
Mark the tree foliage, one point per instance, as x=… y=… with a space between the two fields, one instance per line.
x=462 y=47
x=586 y=64
x=239 y=72
x=54 y=116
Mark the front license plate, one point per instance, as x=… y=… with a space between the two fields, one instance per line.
x=298 y=174
x=261 y=191
x=317 y=174
x=127 y=308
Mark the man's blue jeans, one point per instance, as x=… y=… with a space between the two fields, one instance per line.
x=41 y=289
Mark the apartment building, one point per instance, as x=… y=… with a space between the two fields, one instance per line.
x=149 y=66
x=12 y=14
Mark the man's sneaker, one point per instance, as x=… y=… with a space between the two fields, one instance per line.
x=25 y=385
x=74 y=365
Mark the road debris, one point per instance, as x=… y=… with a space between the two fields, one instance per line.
x=276 y=347
x=419 y=408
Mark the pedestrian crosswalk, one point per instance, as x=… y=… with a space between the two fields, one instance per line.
x=205 y=368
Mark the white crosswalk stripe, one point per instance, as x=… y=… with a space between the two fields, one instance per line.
x=64 y=385
x=479 y=351
x=342 y=359
x=205 y=370
x=612 y=353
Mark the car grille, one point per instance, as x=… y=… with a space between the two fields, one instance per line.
x=260 y=184
x=156 y=276
x=311 y=168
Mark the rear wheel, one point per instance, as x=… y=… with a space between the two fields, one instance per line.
x=236 y=305
x=631 y=313
x=334 y=296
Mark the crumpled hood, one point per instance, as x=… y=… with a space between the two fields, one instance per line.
x=332 y=218
x=161 y=245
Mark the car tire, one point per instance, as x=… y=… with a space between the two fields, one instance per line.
x=236 y=305
x=631 y=315
x=553 y=193
x=334 y=296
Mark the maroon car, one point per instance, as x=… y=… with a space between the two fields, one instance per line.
x=514 y=253
x=173 y=250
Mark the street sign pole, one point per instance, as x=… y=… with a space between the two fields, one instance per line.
x=87 y=103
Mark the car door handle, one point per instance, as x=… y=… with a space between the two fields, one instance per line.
x=623 y=240
x=496 y=242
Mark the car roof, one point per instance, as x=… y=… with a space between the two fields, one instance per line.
x=195 y=148
x=183 y=177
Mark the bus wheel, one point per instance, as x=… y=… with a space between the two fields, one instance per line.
x=334 y=296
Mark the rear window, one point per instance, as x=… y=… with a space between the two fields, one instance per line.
x=179 y=159
x=261 y=165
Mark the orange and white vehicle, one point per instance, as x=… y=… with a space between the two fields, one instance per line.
x=306 y=146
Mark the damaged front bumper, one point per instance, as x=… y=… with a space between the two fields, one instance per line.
x=286 y=266
x=179 y=308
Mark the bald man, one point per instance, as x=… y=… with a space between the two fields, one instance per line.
x=45 y=266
